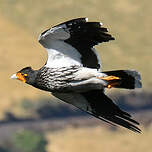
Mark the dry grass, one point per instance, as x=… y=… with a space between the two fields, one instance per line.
x=98 y=139
x=17 y=50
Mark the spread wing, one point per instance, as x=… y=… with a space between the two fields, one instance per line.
x=100 y=106
x=71 y=43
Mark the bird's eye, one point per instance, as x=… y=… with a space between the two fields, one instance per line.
x=25 y=75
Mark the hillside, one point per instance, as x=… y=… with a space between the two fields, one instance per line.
x=98 y=139
x=15 y=44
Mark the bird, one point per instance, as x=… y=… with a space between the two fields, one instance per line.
x=73 y=71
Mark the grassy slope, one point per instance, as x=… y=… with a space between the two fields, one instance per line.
x=97 y=140
x=15 y=44
x=128 y=21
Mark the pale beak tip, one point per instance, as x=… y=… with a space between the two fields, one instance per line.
x=13 y=76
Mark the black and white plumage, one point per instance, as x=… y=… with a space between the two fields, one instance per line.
x=72 y=42
x=72 y=71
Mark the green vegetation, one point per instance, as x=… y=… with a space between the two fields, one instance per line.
x=29 y=141
x=24 y=141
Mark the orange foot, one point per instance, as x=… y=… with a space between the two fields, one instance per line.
x=108 y=78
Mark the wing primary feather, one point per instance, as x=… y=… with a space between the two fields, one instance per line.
x=85 y=35
x=103 y=107
x=77 y=36
x=73 y=22
x=118 y=121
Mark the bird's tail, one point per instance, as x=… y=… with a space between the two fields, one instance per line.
x=127 y=79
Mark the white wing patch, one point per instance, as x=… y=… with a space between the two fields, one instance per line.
x=71 y=43
x=60 y=54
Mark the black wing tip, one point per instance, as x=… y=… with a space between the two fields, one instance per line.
x=138 y=131
x=112 y=38
x=135 y=129
x=121 y=122
x=68 y=22
x=129 y=119
x=73 y=21
x=79 y=19
x=84 y=21
x=109 y=38
x=108 y=111
x=126 y=123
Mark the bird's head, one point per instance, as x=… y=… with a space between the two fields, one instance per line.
x=26 y=75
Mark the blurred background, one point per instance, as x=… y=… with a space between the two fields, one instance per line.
x=32 y=120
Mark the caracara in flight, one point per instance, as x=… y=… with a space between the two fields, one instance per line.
x=73 y=73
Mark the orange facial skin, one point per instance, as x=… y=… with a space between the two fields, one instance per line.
x=21 y=77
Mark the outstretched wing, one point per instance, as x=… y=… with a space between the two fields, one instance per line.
x=100 y=106
x=72 y=43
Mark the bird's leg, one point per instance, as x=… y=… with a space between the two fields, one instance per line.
x=109 y=78
x=112 y=80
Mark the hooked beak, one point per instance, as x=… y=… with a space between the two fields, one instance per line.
x=13 y=76
x=18 y=76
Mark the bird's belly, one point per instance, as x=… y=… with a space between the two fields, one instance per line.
x=86 y=85
x=52 y=86
x=72 y=86
x=68 y=79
